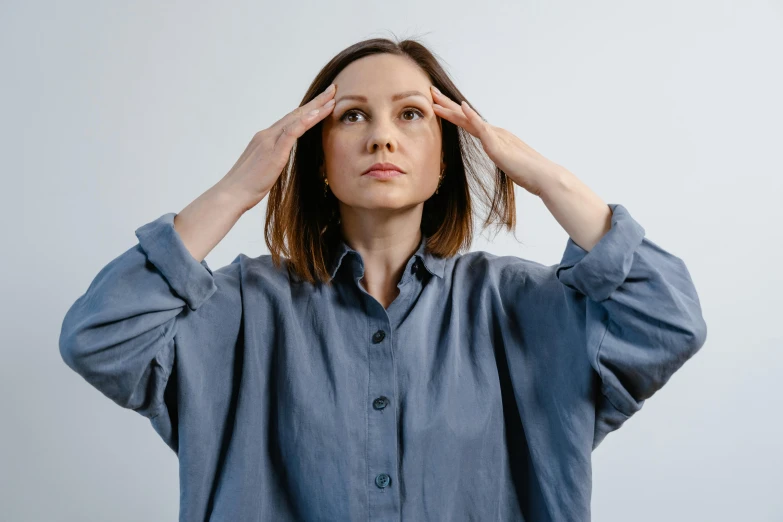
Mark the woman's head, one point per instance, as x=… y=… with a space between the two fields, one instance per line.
x=434 y=153
x=369 y=125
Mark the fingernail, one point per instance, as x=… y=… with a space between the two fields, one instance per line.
x=330 y=88
x=436 y=89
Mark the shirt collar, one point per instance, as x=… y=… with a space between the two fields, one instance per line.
x=433 y=264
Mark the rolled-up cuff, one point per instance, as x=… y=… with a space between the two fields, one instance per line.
x=189 y=279
x=599 y=272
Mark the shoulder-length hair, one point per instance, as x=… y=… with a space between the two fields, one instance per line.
x=303 y=225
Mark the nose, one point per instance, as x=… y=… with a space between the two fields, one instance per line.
x=378 y=144
x=381 y=137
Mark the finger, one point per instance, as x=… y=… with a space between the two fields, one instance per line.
x=294 y=130
x=315 y=103
x=473 y=117
x=444 y=101
x=478 y=123
x=457 y=118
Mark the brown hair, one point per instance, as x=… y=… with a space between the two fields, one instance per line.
x=298 y=212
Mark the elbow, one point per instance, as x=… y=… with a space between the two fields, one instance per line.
x=68 y=348
x=698 y=335
x=688 y=342
x=72 y=350
x=73 y=353
x=80 y=346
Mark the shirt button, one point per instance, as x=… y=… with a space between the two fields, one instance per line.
x=380 y=403
x=378 y=336
x=415 y=267
x=382 y=480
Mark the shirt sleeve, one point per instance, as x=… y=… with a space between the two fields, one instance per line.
x=644 y=319
x=119 y=335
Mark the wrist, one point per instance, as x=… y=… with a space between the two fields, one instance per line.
x=557 y=181
x=235 y=197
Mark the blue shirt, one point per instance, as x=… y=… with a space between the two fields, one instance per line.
x=479 y=394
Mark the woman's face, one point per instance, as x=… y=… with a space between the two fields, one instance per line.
x=379 y=128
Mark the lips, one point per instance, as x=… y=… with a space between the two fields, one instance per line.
x=384 y=167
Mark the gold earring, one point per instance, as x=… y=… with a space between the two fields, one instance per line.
x=440 y=179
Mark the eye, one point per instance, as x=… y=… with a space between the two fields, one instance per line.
x=417 y=111
x=406 y=110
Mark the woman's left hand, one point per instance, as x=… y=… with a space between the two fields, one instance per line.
x=526 y=167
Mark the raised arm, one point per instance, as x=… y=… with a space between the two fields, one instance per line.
x=119 y=335
x=643 y=316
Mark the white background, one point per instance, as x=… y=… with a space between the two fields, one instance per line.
x=113 y=113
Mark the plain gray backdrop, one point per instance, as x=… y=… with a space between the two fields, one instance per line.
x=114 y=113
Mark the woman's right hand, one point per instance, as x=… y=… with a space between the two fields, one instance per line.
x=257 y=169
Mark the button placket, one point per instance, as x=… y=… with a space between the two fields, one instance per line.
x=382 y=423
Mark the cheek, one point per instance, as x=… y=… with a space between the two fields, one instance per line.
x=335 y=152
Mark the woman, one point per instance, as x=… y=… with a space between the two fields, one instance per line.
x=377 y=373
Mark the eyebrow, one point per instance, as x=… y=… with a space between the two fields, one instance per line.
x=398 y=96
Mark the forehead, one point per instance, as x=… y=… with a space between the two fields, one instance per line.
x=381 y=75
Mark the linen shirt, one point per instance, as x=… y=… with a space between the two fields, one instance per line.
x=478 y=394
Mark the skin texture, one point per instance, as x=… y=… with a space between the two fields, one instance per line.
x=381 y=219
